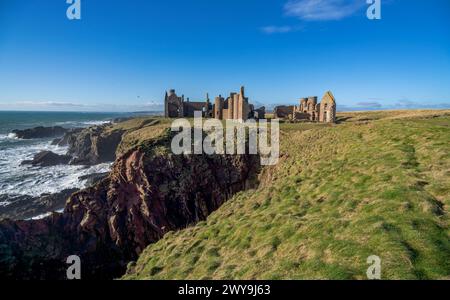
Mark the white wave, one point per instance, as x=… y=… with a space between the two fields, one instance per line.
x=35 y=181
x=81 y=123
x=38 y=181
x=39 y=217
x=96 y=122
x=9 y=136
x=5 y=203
x=42 y=216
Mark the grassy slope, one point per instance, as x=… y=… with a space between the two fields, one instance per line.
x=378 y=184
x=139 y=130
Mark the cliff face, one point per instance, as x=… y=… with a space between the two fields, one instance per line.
x=93 y=145
x=148 y=193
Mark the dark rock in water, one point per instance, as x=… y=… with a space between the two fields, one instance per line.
x=64 y=141
x=93 y=179
x=146 y=195
x=25 y=207
x=47 y=159
x=94 y=145
x=40 y=132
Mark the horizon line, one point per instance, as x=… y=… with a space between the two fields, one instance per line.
x=270 y=111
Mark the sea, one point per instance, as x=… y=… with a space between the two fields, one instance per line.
x=35 y=181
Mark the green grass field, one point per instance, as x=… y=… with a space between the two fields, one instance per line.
x=377 y=183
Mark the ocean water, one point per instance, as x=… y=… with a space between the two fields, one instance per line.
x=27 y=180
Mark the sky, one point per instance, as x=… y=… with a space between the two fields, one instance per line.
x=122 y=55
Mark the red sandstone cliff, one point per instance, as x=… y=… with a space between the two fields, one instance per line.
x=148 y=193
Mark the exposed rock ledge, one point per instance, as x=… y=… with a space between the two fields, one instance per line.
x=89 y=146
x=94 y=145
x=64 y=141
x=147 y=194
x=24 y=207
x=40 y=132
x=47 y=159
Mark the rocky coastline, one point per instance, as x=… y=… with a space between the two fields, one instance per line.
x=23 y=207
x=148 y=193
x=40 y=132
x=86 y=147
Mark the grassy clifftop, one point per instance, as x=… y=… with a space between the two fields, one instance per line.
x=376 y=184
x=139 y=130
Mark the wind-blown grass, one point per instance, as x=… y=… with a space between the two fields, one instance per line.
x=376 y=184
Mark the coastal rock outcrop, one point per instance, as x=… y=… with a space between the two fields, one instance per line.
x=64 y=141
x=148 y=193
x=94 y=145
x=47 y=159
x=40 y=132
x=22 y=207
x=88 y=146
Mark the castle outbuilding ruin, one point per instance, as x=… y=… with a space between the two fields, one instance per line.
x=178 y=107
x=310 y=109
x=235 y=107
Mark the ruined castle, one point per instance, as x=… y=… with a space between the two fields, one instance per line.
x=178 y=107
x=309 y=109
x=235 y=107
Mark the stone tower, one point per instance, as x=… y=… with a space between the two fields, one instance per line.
x=218 y=107
x=303 y=105
x=235 y=107
x=243 y=105
x=173 y=105
x=311 y=107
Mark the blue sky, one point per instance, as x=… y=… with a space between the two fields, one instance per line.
x=123 y=54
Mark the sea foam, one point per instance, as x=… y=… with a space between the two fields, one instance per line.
x=34 y=181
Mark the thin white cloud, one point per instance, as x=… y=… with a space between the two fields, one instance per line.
x=393 y=105
x=281 y=29
x=276 y=29
x=48 y=103
x=322 y=10
x=370 y=104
